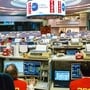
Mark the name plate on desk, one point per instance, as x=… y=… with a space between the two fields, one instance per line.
x=39 y=54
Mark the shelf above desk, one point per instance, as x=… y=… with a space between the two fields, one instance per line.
x=65 y=57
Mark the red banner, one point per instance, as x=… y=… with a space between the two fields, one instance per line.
x=59 y=7
x=51 y=6
x=29 y=8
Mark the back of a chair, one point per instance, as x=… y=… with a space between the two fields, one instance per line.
x=6 y=82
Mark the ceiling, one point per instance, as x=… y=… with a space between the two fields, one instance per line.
x=18 y=7
x=83 y=6
x=6 y=8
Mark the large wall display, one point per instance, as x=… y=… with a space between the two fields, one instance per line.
x=47 y=7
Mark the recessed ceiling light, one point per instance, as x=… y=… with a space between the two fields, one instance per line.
x=72 y=2
x=19 y=3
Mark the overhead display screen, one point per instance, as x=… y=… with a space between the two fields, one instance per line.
x=45 y=7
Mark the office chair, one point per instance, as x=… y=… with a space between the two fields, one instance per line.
x=6 y=82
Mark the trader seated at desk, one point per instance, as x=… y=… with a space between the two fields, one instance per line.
x=19 y=84
x=23 y=41
x=84 y=82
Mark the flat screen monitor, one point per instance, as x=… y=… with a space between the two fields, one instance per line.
x=30 y=43
x=71 y=52
x=19 y=65
x=17 y=40
x=32 y=68
x=75 y=71
x=61 y=75
x=2 y=48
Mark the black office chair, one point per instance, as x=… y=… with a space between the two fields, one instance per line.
x=6 y=82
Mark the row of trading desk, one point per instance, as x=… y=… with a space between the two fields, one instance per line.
x=67 y=65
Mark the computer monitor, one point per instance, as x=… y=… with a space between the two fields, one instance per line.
x=75 y=71
x=2 y=48
x=71 y=52
x=32 y=68
x=74 y=40
x=17 y=40
x=62 y=75
x=19 y=65
x=30 y=43
x=61 y=78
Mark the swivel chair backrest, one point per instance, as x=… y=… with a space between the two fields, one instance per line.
x=6 y=82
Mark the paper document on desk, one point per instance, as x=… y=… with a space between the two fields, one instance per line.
x=41 y=48
x=23 y=48
x=75 y=40
x=46 y=40
x=88 y=47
